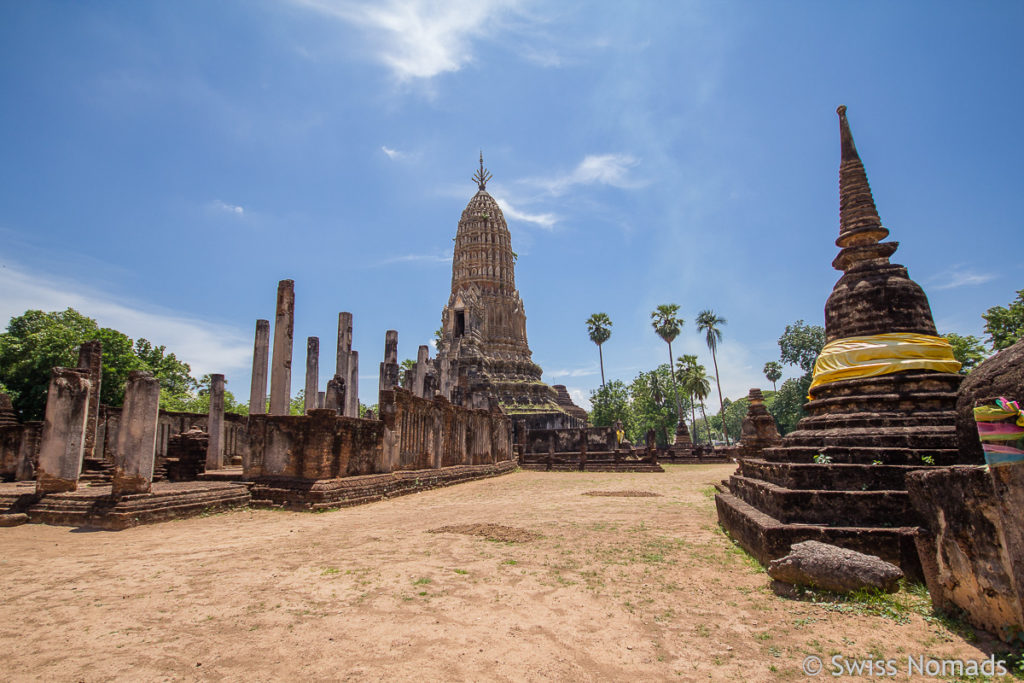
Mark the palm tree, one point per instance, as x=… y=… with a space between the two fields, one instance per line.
x=773 y=371
x=686 y=363
x=667 y=326
x=599 y=326
x=700 y=385
x=709 y=323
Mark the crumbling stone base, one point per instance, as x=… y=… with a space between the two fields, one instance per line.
x=305 y=494
x=96 y=507
x=767 y=538
x=967 y=544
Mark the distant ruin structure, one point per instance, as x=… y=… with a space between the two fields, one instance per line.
x=882 y=404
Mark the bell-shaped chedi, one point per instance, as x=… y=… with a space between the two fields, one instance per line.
x=483 y=348
x=882 y=404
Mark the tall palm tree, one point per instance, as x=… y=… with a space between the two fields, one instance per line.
x=667 y=325
x=709 y=323
x=773 y=371
x=686 y=363
x=599 y=326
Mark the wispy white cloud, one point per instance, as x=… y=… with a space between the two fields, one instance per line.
x=960 y=277
x=392 y=153
x=595 y=169
x=221 y=206
x=433 y=257
x=544 y=220
x=579 y=397
x=206 y=347
x=573 y=372
x=419 y=40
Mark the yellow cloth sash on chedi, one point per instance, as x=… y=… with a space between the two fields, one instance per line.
x=881 y=354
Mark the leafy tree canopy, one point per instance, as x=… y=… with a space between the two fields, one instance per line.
x=610 y=403
x=968 y=350
x=787 y=404
x=36 y=342
x=801 y=343
x=1004 y=325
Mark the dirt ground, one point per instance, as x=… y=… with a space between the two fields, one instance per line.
x=614 y=588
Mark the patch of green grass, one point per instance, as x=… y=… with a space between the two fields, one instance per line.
x=328 y=571
x=709 y=492
x=509 y=562
x=460 y=571
x=422 y=581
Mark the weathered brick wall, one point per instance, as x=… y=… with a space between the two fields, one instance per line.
x=570 y=440
x=321 y=445
x=412 y=434
x=425 y=433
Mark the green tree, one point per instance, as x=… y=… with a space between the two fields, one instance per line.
x=732 y=418
x=801 y=343
x=698 y=384
x=175 y=376
x=1004 y=325
x=710 y=324
x=966 y=349
x=773 y=372
x=686 y=364
x=787 y=408
x=651 y=406
x=36 y=342
x=610 y=403
x=599 y=326
x=406 y=366
x=198 y=401
x=667 y=325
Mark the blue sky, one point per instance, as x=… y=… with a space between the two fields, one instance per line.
x=165 y=164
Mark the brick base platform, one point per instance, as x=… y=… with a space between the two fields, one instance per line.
x=95 y=507
x=305 y=494
x=767 y=538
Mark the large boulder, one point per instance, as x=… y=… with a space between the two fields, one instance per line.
x=831 y=568
x=1000 y=375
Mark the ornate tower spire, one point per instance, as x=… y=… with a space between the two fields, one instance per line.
x=860 y=228
x=482 y=175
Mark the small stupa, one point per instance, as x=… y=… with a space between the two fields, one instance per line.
x=883 y=402
x=758 y=430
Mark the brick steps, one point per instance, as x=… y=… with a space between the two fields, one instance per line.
x=767 y=539
x=828 y=508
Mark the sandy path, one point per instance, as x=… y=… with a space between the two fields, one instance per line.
x=615 y=589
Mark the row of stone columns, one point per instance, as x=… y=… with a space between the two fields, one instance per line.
x=342 y=395
x=62 y=446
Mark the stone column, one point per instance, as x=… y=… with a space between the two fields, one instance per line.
x=344 y=344
x=321 y=399
x=260 y=351
x=136 y=440
x=422 y=356
x=312 y=373
x=352 y=388
x=63 y=439
x=214 y=425
x=389 y=368
x=284 y=327
x=90 y=358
